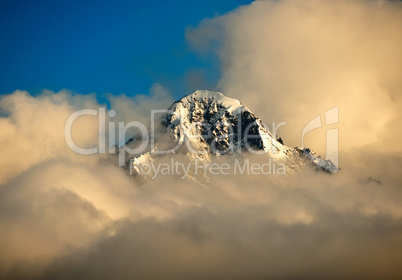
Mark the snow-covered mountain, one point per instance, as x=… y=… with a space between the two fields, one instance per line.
x=207 y=124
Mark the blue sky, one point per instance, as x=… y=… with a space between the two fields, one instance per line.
x=104 y=46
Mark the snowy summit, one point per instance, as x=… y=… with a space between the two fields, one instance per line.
x=213 y=125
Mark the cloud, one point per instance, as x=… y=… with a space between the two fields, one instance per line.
x=293 y=60
x=308 y=225
x=53 y=200
x=33 y=130
x=140 y=106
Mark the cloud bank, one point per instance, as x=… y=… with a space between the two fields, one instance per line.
x=65 y=215
x=293 y=60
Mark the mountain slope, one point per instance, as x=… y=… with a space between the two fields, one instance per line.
x=208 y=124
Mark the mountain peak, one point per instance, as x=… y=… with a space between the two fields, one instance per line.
x=212 y=124
x=222 y=123
x=230 y=104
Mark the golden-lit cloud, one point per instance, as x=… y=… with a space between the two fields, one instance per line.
x=292 y=60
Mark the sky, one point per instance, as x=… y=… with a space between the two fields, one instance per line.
x=104 y=46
